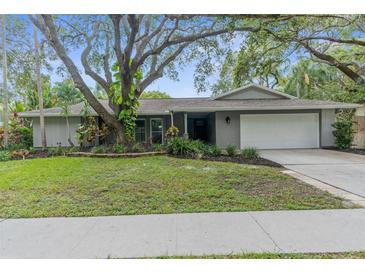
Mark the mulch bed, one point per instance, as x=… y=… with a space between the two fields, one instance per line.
x=223 y=158
x=37 y=154
x=115 y=155
x=360 y=151
x=235 y=159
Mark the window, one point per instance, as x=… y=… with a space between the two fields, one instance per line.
x=156 y=131
x=140 y=131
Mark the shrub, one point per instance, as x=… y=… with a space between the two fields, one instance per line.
x=98 y=149
x=21 y=153
x=12 y=147
x=171 y=132
x=56 y=151
x=215 y=151
x=87 y=132
x=73 y=149
x=32 y=150
x=19 y=134
x=118 y=148
x=343 y=133
x=156 y=147
x=4 y=155
x=180 y=146
x=231 y=150
x=199 y=147
x=137 y=147
x=250 y=153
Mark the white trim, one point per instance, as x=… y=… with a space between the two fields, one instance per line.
x=256 y=86
x=145 y=129
x=36 y=115
x=185 y=123
x=347 y=106
x=162 y=133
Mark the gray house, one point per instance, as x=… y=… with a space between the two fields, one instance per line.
x=251 y=116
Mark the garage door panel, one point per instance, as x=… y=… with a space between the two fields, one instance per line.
x=270 y=131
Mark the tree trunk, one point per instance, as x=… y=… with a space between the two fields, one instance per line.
x=120 y=133
x=297 y=89
x=69 y=133
x=5 y=88
x=109 y=119
x=39 y=88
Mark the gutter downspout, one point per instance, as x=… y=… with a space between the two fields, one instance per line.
x=172 y=117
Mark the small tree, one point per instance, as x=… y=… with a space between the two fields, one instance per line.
x=172 y=132
x=67 y=95
x=39 y=87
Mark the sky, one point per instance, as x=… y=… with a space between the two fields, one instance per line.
x=182 y=88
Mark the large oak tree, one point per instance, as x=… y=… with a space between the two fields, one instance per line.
x=124 y=54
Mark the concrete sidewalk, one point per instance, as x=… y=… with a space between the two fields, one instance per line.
x=184 y=234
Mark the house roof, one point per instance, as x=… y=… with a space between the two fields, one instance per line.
x=273 y=100
x=250 y=87
x=163 y=106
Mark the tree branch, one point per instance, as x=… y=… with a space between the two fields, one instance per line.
x=117 y=39
x=158 y=73
x=334 y=62
x=190 y=38
x=336 y=40
x=84 y=60
x=46 y=26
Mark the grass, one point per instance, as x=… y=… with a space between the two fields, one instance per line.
x=340 y=255
x=62 y=186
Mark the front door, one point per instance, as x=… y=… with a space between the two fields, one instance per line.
x=200 y=129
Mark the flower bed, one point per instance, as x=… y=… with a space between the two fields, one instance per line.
x=195 y=149
x=234 y=159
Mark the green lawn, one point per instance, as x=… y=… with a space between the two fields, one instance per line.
x=63 y=186
x=341 y=255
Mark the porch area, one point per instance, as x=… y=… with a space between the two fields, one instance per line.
x=151 y=129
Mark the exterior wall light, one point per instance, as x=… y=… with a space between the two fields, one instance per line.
x=228 y=120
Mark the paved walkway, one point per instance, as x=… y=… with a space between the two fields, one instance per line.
x=184 y=234
x=339 y=169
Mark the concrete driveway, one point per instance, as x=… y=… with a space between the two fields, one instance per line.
x=339 y=169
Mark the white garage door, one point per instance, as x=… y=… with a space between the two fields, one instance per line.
x=270 y=131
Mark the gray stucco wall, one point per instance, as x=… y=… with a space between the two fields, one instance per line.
x=220 y=133
x=227 y=133
x=178 y=122
x=56 y=131
x=230 y=133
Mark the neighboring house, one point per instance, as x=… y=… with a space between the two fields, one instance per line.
x=251 y=116
x=359 y=127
